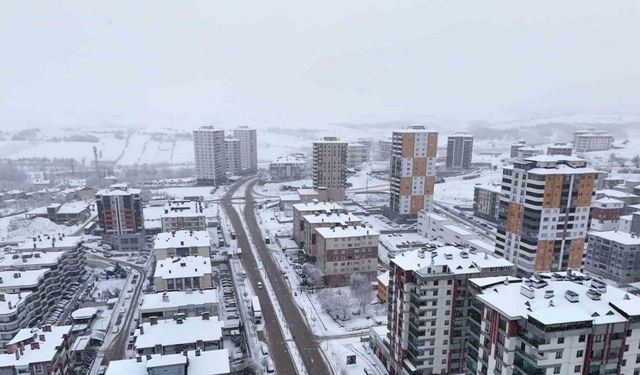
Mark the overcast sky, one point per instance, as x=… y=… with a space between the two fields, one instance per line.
x=294 y=63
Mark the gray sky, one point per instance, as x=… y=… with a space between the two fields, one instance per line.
x=295 y=63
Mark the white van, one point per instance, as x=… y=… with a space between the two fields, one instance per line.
x=259 y=284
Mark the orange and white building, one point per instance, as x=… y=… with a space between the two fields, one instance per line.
x=544 y=213
x=413 y=171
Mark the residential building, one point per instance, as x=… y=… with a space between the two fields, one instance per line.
x=357 y=154
x=330 y=167
x=233 y=156
x=182 y=243
x=427 y=307
x=210 y=158
x=248 y=148
x=62 y=213
x=565 y=149
x=515 y=148
x=171 y=336
x=346 y=250
x=605 y=214
x=194 y=362
x=390 y=245
x=614 y=255
x=383 y=287
x=486 y=202
x=544 y=213
x=436 y=227
x=561 y=323
x=634 y=224
x=308 y=235
x=628 y=198
x=39 y=351
x=528 y=152
x=384 y=149
x=167 y=305
x=182 y=273
x=592 y=140
x=180 y=214
x=413 y=172
x=459 y=151
x=310 y=208
x=288 y=168
x=120 y=217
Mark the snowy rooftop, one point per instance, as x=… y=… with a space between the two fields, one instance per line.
x=623 y=238
x=44 y=352
x=317 y=206
x=434 y=216
x=12 y=301
x=562 y=169
x=402 y=240
x=554 y=159
x=71 y=208
x=457 y=229
x=182 y=208
x=179 y=267
x=350 y=231
x=210 y=362
x=29 y=259
x=11 y=280
x=482 y=245
x=307 y=192
x=330 y=140
x=49 y=242
x=493 y=188
x=331 y=218
x=171 y=332
x=608 y=200
x=459 y=261
x=550 y=302
x=182 y=238
x=118 y=189
x=84 y=313
x=383 y=278
x=615 y=194
x=160 y=301
x=288 y=160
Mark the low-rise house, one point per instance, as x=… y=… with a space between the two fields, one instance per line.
x=183 y=273
x=182 y=243
x=166 y=305
x=194 y=362
x=176 y=335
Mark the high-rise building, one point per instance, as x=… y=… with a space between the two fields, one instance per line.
x=120 y=216
x=544 y=213
x=357 y=154
x=486 y=202
x=459 y=151
x=248 y=148
x=384 y=149
x=330 y=167
x=413 y=171
x=210 y=156
x=562 y=323
x=428 y=304
x=233 y=155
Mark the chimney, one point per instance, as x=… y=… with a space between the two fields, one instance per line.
x=141 y=329
x=197 y=352
x=17 y=354
x=42 y=337
x=205 y=315
x=46 y=328
x=2 y=297
x=165 y=297
x=153 y=320
x=138 y=358
x=35 y=345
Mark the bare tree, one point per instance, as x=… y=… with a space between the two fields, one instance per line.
x=313 y=276
x=337 y=303
x=361 y=290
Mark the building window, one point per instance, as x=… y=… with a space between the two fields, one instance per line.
x=556 y=370
x=579 y=354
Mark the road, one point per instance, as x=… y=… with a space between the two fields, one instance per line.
x=308 y=346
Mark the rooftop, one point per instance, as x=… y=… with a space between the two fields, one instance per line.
x=182 y=238
x=84 y=313
x=171 y=332
x=457 y=229
x=623 y=238
x=608 y=200
x=179 y=267
x=13 y=280
x=71 y=208
x=29 y=259
x=383 y=278
x=288 y=160
x=615 y=194
x=118 y=189
x=331 y=218
x=12 y=301
x=49 y=241
x=560 y=298
x=43 y=351
x=317 y=206
x=402 y=240
x=182 y=208
x=458 y=260
x=174 y=299
x=349 y=231
x=211 y=362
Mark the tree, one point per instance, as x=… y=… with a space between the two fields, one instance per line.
x=312 y=275
x=636 y=161
x=337 y=303
x=361 y=290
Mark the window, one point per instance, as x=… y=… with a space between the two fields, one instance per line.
x=579 y=354
x=556 y=370
x=560 y=340
x=558 y=355
x=577 y=368
x=581 y=338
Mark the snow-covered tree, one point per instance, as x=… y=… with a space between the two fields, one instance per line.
x=361 y=290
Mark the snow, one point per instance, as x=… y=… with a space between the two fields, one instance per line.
x=458 y=191
x=17 y=228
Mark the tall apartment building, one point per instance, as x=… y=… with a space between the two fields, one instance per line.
x=233 y=155
x=428 y=303
x=614 y=255
x=561 y=323
x=592 y=140
x=384 y=149
x=308 y=235
x=210 y=156
x=486 y=202
x=544 y=213
x=330 y=167
x=357 y=154
x=248 y=148
x=459 y=151
x=413 y=171
x=120 y=216
x=346 y=250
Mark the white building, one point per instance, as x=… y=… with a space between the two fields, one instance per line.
x=439 y=228
x=233 y=155
x=330 y=167
x=170 y=336
x=210 y=158
x=182 y=243
x=357 y=154
x=308 y=234
x=248 y=147
x=195 y=362
x=592 y=140
x=307 y=208
x=183 y=214
x=391 y=245
x=346 y=250
x=183 y=273
x=38 y=351
x=166 y=305
x=288 y=168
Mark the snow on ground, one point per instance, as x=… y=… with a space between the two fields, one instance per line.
x=207 y=192
x=17 y=227
x=338 y=350
x=458 y=191
x=108 y=288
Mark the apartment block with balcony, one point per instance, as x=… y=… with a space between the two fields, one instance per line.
x=330 y=167
x=614 y=255
x=171 y=336
x=308 y=234
x=182 y=243
x=183 y=273
x=120 y=217
x=592 y=140
x=167 y=305
x=606 y=213
x=310 y=208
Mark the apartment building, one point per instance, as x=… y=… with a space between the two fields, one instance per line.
x=614 y=255
x=486 y=202
x=39 y=351
x=606 y=213
x=194 y=362
x=413 y=172
x=182 y=243
x=310 y=208
x=190 y=303
x=565 y=149
x=182 y=273
x=330 y=167
x=544 y=213
x=562 y=323
x=248 y=148
x=592 y=140
x=233 y=155
x=288 y=168
x=436 y=227
x=357 y=154
x=61 y=213
x=308 y=235
x=528 y=152
x=384 y=149
x=171 y=336
x=179 y=214
x=428 y=303
x=209 y=155
x=459 y=151
x=120 y=217
x=513 y=150
x=346 y=250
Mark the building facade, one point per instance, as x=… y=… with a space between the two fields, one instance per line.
x=308 y=235
x=167 y=305
x=413 y=171
x=606 y=213
x=210 y=157
x=565 y=149
x=486 y=202
x=310 y=208
x=357 y=154
x=248 y=148
x=330 y=167
x=182 y=273
x=182 y=243
x=346 y=250
x=287 y=169
x=592 y=140
x=614 y=255
x=181 y=214
x=384 y=149
x=233 y=155
x=120 y=216
x=39 y=351
x=544 y=213
x=459 y=151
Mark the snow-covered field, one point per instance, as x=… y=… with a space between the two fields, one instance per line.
x=458 y=191
x=17 y=227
